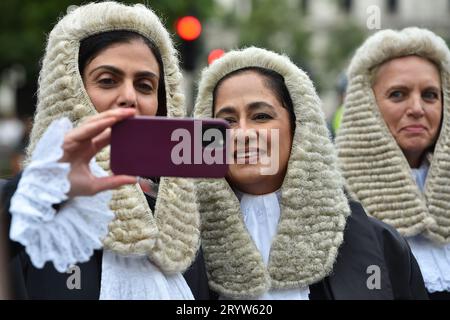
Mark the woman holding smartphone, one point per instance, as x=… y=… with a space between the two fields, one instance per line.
x=104 y=62
x=289 y=233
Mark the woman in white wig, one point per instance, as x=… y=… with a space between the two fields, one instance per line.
x=283 y=228
x=103 y=62
x=394 y=142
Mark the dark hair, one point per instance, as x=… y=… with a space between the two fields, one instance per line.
x=92 y=46
x=274 y=82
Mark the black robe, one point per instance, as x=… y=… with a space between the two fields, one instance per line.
x=368 y=245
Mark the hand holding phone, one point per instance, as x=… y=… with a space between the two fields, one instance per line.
x=82 y=143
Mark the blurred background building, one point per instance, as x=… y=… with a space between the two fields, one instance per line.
x=319 y=36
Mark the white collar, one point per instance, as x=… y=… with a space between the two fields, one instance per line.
x=239 y=194
x=261 y=214
x=420 y=174
x=136 y=278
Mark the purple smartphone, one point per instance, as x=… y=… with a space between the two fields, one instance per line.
x=167 y=147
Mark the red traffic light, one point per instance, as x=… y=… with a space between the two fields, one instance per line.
x=214 y=55
x=188 y=28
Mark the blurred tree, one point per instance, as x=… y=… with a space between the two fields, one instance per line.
x=276 y=25
x=446 y=38
x=26 y=23
x=24 y=26
x=343 y=40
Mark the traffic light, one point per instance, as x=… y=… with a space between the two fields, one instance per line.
x=189 y=30
x=215 y=54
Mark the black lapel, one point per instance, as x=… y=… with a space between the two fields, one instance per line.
x=360 y=250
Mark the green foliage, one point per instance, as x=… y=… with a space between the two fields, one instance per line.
x=343 y=40
x=278 y=26
x=25 y=24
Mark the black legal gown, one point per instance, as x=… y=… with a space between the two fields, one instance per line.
x=367 y=242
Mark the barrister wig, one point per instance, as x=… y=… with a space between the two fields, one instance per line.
x=376 y=171
x=313 y=204
x=169 y=236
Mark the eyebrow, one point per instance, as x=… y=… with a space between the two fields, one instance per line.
x=119 y=72
x=251 y=107
x=397 y=87
x=260 y=104
x=400 y=86
x=433 y=88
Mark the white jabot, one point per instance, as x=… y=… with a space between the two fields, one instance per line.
x=420 y=174
x=70 y=235
x=261 y=215
x=433 y=259
x=434 y=262
x=136 y=278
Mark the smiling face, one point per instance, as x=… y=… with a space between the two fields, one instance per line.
x=408 y=93
x=247 y=103
x=124 y=75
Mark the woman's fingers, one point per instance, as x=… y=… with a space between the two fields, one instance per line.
x=89 y=149
x=90 y=130
x=98 y=143
x=100 y=122
x=112 y=182
x=90 y=137
x=102 y=140
x=119 y=113
x=78 y=141
x=88 y=186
